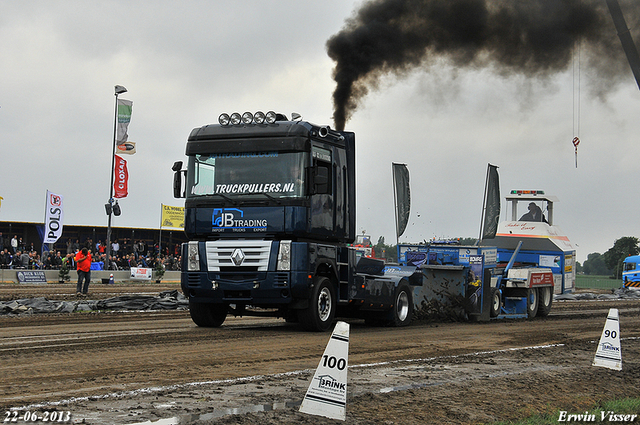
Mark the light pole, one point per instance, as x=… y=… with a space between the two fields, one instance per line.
x=118 y=90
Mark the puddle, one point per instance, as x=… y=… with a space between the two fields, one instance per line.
x=217 y=413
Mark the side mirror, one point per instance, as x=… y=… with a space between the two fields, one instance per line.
x=177 y=180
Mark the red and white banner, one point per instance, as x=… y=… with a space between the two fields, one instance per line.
x=121 y=179
x=141 y=273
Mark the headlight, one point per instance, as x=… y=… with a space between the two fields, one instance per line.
x=284 y=255
x=247 y=118
x=259 y=117
x=236 y=118
x=193 y=258
x=270 y=117
x=224 y=119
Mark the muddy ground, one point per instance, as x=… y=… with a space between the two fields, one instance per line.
x=158 y=367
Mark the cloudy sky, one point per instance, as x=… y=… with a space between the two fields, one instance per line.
x=186 y=62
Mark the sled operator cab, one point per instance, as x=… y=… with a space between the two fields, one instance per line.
x=531 y=221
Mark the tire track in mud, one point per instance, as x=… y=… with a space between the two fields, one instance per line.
x=50 y=357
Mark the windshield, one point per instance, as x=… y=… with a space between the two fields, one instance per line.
x=275 y=174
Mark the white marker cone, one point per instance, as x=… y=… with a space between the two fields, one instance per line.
x=327 y=393
x=609 y=354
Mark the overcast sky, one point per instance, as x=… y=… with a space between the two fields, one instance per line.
x=186 y=62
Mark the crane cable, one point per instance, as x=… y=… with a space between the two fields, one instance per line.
x=576 y=99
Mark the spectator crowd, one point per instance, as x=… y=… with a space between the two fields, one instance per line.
x=16 y=255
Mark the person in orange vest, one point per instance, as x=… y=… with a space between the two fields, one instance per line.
x=83 y=260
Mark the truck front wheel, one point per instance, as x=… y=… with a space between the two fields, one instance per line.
x=402 y=307
x=322 y=307
x=208 y=315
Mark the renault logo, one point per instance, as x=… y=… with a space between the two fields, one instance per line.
x=237 y=257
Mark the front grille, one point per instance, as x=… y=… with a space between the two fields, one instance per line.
x=238 y=255
x=193 y=279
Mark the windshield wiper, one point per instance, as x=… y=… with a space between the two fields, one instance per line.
x=272 y=198
x=225 y=197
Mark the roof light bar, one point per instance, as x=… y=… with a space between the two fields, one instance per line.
x=527 y=192
x=247 y=118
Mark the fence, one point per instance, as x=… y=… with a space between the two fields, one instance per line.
x=584 y=281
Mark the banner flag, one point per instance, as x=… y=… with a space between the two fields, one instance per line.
x=124 y=117
x=127 y=148
x=492 y=204
x=172 y=217
x=53 y=218
x=121 y=180
x=402 y=196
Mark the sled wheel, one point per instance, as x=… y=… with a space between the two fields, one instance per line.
x=319 y=315
x=496 y=302
x=208 y=315
x=546 y=298
x=532 y=303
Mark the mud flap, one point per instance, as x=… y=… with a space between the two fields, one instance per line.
x=478 y=298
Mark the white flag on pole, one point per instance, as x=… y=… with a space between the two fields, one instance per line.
x=53 y=218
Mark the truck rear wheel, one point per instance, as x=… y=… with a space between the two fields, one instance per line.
x=545 y=299
x=208 y=315
x=402 y=311
x=532 y=303
x=322 y=307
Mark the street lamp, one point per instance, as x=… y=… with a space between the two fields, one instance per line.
x=109 y=206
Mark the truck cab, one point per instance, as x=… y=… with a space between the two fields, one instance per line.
x=270 y=213
x=631 y=272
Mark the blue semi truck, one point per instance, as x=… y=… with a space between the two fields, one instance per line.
x=269 y=214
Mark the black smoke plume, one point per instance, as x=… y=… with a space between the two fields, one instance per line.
x=534 y=38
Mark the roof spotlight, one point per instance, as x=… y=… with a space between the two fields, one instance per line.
x=270 y=117
x=224 y=119
x=247 y=118
x=258 y=117
x=235 y=118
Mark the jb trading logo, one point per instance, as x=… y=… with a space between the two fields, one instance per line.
x=55 y=200
x=233 y=218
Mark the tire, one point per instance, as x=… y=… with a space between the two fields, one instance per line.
x=496 y=303
x=545 y=301
x=532 y=303
x=208 y=315
x=402 y=311
x=318 y=317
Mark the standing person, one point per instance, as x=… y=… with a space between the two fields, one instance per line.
x=83 y=260
x=14 y=244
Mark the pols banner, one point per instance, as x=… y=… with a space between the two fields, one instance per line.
x=121 y=180
x=53 y=218
x=172 y=217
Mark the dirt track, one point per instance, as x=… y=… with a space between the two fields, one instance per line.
x=426 y=373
